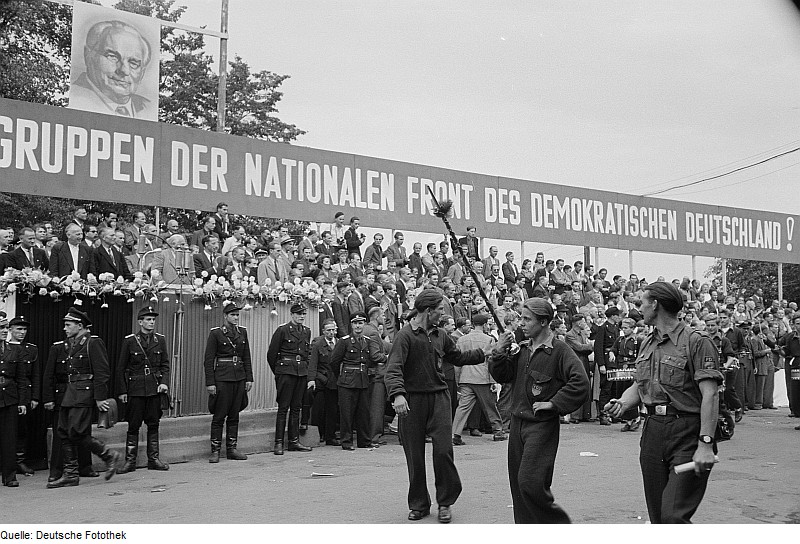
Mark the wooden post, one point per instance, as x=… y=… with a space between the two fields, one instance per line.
x=725 y=276
x=223 y=69
x=694 y=267
x=780 y=281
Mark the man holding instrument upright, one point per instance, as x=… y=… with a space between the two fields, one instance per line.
x=677 y=379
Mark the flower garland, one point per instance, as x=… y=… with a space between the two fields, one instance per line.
x=33 y=282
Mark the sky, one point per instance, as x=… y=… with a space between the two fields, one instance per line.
x=628 y=96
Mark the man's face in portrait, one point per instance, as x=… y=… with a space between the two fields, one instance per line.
x=116 y=65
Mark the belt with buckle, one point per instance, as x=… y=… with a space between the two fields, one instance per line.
x=667 y=410
x=353 y=365
x=79 y=377
x=4 y=380
x=234 y=359
x=293 y=358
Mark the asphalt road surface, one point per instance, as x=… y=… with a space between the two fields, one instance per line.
x=756 y=481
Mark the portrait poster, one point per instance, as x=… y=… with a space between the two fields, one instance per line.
x=115 y=62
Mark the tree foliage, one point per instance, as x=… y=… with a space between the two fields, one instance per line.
x=744 y=277
x=35 y=40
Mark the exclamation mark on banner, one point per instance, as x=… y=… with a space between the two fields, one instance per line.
x=789 y=232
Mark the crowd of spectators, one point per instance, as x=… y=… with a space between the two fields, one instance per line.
x=357 y=275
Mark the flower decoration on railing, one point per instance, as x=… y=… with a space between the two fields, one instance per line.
x=33 y=282
x=213 y=289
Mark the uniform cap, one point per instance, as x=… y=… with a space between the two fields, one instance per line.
x=77 y=316
x=612 y=311
x=230 y=307
x=539 y=307
x=298 y=309
x=358 y=316
x=18 y=321
x=146 y=311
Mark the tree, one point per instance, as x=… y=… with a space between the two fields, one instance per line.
x=744 y=277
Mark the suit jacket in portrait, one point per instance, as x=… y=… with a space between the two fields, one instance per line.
x=19 y=260
x=103 y=262
x=61 y=262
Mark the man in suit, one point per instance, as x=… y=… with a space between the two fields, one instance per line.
x=396 y=252
x=471 y=241
x=133 y=231
x=322 y=380
x=108 y=258
x=206 y=259
x=166 y=263
x=27 y=255
x=209 y=227
x=341 y=311
x=271 y=268
x=326 y=247
x=510 y=270
x=71 y=255
x=415 y=259
x=491 y=261
x=352 y=238
x=222 y=224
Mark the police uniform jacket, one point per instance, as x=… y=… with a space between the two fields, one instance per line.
x=289 y=350
x=604 y=340
x=77 y=372
x=143 y=365
x=26 y=357
x=227 y=357
x=671 y=364
x=15 y=382
x=352 y=357
x=320 y=370
x=549 y=372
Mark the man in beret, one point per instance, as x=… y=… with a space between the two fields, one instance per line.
x=229 y=377
x=142 y=376
x=26 y=358
x=287 y=356
x=677 y=379
x=605 y=358
x=88 y=374
x=547 y=381
x=475 y=383
x=416 y=385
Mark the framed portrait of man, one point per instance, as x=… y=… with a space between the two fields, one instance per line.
x=115 y=62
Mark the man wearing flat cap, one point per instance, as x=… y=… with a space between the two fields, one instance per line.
x=605 y=358
x=14 y=397
x=26 y=358
x=677 y=379
x=352 y=356
x=547 y=381
x=87 y=374
x=287 y=356
x=229 y=377
x=142 y=374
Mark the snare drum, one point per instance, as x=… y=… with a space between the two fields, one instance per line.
x=620 y=374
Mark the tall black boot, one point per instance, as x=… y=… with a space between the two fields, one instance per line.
x=280 y=428
x=216 y=444
x=109 y=456
x=231 y=441
x=131 y=453
x=22 y=468
x=69 y=475
x=294 y=431
x=153 y=462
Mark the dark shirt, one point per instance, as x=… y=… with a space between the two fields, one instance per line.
x=289 y=349
x=16 y=369
x=227 y=343
x=143 y=365
x=351 y=357
x=416 y=359
x=551 y=373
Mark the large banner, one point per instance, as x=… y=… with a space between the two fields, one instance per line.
x=115 y=62
x=60 y=152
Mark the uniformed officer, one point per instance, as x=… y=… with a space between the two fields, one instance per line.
x=26 y=357
x=142 y=374
x=352 y=357
x=287 y=356
x=605 y=359
x=88 y=373
x=547 y=380
x=626 y=349
x=677 y=378
x=229 y=376
x=14 y=398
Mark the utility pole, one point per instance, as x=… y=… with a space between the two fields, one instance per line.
x=223 y=68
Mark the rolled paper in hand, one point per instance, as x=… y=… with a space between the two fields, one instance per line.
x=686 y=467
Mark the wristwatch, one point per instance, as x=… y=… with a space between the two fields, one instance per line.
x=706 y=439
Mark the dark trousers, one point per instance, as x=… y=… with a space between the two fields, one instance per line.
x=668 y=441
x=532 y=448
x=504 y=405
x=325 y=413
x=75 y=427
x=377 y=407
x=732 y=400
x=23 y=424
x=308 y=402
x=9 y=416
x=143 y=409
x=226 y=411
x=738 y=383
x=748 y=382
x=452 y=386
x=792 y=388
x=56 y=457
x=606 y=390
x=769 y=386
x=354 y=408
x=429 y=414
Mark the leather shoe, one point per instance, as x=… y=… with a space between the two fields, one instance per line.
x=11 y=483
x=605 y=421
x=499 y=436
x=88 y=473
x=334 y=442
x=457 y=440
x=797 y=428
x=444 y=514
x=22 y=468
x=475 y=432
x=297 y=446
x=416 y=515
x=348 y=448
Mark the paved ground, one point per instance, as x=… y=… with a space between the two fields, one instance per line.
x=755 y=482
